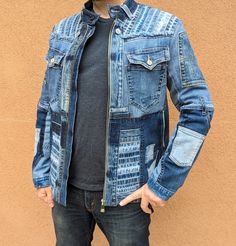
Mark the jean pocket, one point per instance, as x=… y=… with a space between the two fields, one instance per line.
x=146 y=76
x=55 y=60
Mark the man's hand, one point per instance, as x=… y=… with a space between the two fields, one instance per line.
x=147 y=196
x=45 y=194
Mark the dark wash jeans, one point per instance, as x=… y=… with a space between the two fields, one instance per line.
x=122 y=226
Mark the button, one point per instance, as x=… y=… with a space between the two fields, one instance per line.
x=149 y=61
x=52 y=60
x=118 y=31
x=91 y=17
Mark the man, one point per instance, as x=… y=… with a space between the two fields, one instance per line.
x=102 y=148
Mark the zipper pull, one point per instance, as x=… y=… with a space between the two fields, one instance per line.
x=102 y=206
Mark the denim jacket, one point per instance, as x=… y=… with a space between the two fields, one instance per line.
x=149 y=52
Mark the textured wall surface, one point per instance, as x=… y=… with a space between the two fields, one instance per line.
x=203 y=211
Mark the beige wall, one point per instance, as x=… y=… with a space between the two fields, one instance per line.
x=203 y=211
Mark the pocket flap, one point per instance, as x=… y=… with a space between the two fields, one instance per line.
x=149 y=57
x=54 y=57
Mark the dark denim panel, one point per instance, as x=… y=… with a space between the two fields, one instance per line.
x=122 y=225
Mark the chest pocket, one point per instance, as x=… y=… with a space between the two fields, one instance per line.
x=146 y=76
x=54 y=73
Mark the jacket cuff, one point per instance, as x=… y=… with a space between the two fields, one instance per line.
x=159 y=190
x=41 y=182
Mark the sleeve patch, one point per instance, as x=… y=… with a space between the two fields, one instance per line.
x=36 y=140
x=186 y=146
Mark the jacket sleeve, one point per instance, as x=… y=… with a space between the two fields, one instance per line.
x=42 y=147
x=190 y=95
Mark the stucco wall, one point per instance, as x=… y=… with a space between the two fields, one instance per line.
x=203 y=211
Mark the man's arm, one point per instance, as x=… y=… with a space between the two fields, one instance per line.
x=190 y=95
x=42 y=147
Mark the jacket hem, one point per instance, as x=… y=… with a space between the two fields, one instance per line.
x=41 y=182
x=159 y=190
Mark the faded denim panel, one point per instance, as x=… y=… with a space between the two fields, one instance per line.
x=36 y=139
x=151 y=155
x=185 y=146
x=128 y=166
x=149 y=152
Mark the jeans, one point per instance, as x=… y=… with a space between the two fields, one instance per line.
x=122 y=225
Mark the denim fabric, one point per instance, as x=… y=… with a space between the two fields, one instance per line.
x=149 y=54
x=75 y=223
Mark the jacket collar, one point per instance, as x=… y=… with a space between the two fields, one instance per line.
x=127 y=7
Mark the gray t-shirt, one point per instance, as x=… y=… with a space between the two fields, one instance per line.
x=87 y=169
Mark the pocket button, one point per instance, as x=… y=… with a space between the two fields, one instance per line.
x=52 y=60
x=118 y=31
x=149 y=61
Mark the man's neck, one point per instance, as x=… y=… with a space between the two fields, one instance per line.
x=100 y=6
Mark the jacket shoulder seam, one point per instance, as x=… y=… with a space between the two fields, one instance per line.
x=68 y=25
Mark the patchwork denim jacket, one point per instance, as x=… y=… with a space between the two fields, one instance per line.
x=149 y=52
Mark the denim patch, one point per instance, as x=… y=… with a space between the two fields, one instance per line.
x=149 y=21
x=128 y=170
x=190 y=72
x=55 y=151
x=149 y=153
x=36 y=141
x=152 y=167
x=185 y=147
x=55 y=158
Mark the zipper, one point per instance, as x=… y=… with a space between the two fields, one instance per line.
x=75 y=104
x=163 y=128
x=102 y=209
